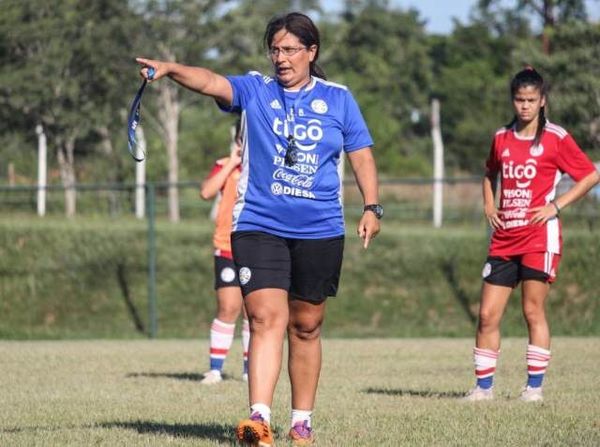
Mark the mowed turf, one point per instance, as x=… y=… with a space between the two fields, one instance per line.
x=373 y=392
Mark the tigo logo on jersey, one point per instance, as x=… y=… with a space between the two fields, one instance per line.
x=523 y=174
x=312 y=131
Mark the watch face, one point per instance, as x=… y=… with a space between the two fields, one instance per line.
x=376 y=209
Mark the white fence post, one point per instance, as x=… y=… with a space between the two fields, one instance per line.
x=140 y=174
x=42 y=170
x=438 y=164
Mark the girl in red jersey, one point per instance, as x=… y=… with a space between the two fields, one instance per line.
x=223 y=180
x=529 y=155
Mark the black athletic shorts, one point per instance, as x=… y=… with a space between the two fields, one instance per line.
x=225 y=273
x=510 y=271
x=309 y=269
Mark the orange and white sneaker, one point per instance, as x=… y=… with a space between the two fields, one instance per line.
x=255 y=431
x=301 y=434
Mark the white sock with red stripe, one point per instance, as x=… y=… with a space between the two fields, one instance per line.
x=537 y=362
x=485 y=366
x=245 y=342
x=221 y=338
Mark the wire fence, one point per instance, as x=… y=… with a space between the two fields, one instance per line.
x=406 y=201
x=155 y=266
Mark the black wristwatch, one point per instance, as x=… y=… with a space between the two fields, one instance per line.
x=376 y=209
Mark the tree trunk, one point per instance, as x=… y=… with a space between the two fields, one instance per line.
x=169 y=112
x=66 y=163
x=549 y=21
x=107 y=148
x=105 y=142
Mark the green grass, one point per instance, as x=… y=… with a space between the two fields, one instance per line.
x=393 y=392
x=88 y=279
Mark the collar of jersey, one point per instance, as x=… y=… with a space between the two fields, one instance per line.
x=309 y=87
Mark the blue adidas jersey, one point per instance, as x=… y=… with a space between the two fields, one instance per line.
x=301 y=201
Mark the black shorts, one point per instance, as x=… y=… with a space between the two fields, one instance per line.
x=309 y=269
x=225 y=273
x=510 y=271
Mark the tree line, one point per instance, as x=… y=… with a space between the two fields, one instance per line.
x=68 y=66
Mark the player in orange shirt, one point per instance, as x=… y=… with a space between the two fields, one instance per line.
x=223 y=179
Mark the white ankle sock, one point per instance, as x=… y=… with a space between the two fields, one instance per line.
x=301 y=416
x=263 y=410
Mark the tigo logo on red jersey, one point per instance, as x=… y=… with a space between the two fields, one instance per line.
x=523 y=174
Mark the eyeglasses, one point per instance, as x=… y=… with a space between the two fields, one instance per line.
x=291 y=152
x=286 y=51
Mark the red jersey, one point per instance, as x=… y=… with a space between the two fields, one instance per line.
x=528 y=178
x=224 y=217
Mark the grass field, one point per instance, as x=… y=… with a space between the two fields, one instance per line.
x=377 y=392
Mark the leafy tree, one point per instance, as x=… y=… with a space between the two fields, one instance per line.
x=382 y=55
x=182 y=31
x=572 y=72
x=472 y=68
x=238 y=40
x=550 y=12
x=56 y=72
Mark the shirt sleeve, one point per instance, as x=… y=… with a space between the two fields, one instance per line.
x=215 y=169
x=244 y=87
x=491 y=164
x=356 y=134
x=572 y=160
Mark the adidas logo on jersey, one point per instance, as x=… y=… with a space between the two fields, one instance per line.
x=506 y=153
x=275 y=104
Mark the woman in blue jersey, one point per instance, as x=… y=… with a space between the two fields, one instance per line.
x=288 y=228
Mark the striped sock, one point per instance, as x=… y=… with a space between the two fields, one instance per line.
x=245 y=343
x=221 y=337
x=537 y=362
x=485 y=366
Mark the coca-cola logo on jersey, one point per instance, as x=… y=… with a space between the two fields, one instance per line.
x=522 y=173
x=304 y=181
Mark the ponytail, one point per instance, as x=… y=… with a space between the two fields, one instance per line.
x=540 y=127
x=317 y=71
